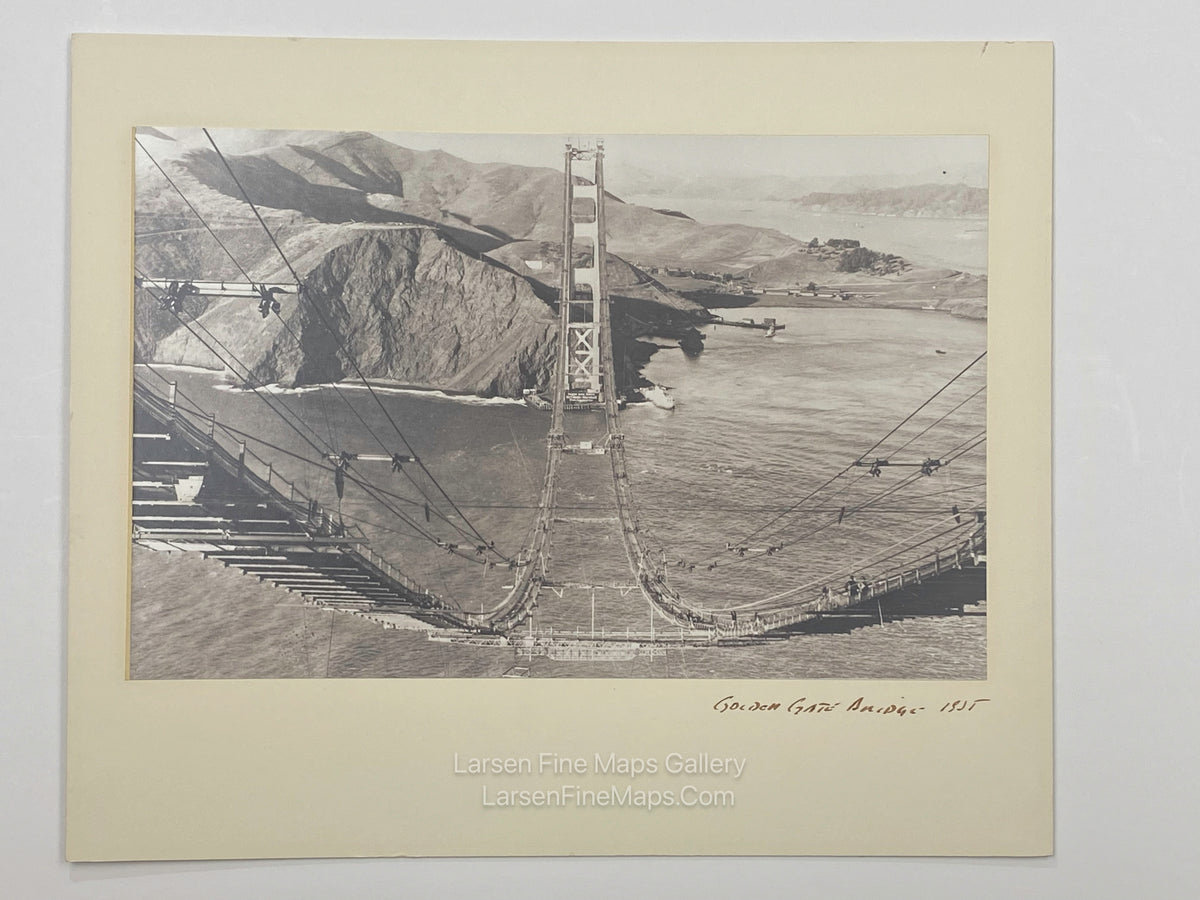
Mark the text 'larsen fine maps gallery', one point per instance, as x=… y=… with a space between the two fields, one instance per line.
x=484 y=405
x=592 y=476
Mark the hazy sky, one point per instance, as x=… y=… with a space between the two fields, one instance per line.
x=731 y=154
x=960 y=157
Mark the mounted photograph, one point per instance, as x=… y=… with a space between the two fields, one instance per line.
x=542 y=405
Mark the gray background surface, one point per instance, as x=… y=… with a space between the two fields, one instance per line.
x=1127 y=489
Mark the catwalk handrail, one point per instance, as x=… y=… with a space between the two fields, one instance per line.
x=932 y=565
x=208 y=439
x=305 y=513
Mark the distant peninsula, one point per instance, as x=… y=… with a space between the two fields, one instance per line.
x=942 y=201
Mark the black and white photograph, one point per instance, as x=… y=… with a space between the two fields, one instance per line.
x=542 y=405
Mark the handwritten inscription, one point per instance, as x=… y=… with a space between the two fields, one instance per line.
x=809 y=706
x=963 y=705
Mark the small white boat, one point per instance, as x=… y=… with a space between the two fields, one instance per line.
x=659 y=397
x=535 y=400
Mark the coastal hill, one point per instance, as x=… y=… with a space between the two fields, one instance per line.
x=407 y=305
x=741 y=186
x=946 y=201
x=870 y=278
x=358 y=177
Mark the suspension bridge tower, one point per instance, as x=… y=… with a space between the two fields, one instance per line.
x=584 y=307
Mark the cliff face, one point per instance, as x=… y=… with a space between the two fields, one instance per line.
x=408 y=306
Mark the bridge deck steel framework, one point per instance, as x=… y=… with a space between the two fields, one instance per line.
x=193 y=491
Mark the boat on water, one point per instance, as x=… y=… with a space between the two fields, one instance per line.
x=658 y=395
x=534 y=399
x=767 y=324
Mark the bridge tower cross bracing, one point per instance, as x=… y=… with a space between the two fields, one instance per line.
x=584 y=382
x=584 y=303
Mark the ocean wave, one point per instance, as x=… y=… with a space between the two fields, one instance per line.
x=268 y=388
x=278 y=389
x=436 y=394
x=174 y=367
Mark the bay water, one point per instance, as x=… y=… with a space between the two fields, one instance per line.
x=759 y=424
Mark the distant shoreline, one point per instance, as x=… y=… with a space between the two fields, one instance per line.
x=792 y=301
x=780 y=301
